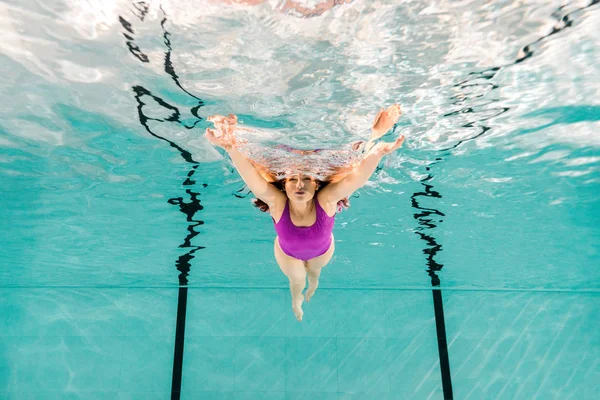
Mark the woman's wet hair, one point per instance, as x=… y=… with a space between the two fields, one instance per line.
x=264 y=207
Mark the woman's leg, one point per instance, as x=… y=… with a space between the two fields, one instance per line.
x=295 y=270
x=314 y=267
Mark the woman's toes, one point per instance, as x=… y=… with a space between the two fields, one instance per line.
x=297 y=308
x=298 y=313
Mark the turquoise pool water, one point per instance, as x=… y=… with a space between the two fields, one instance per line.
x=135 y=267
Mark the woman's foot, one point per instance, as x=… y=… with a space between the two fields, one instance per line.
x=297 y=308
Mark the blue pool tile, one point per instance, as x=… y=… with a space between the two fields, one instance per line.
x=11 y=353
x=208 y=363
x=66 y=395
x=473 y=314
x=208 y=395
x=259 y=396
x=14 y=308
x=70 y=364
x=311 y=364
x=359 y=313
x=544 y=315
x=409 y=313
x=413 y=367
x=362 y=365
x=523 y=368
x=145 y=364
x=319 y=317
x=211 y=312
x=72 y=312
x=365 y=395
x=151 y=312
x=311 y=396
x=262 y=312
x=259 y=364
x=587 y=390
x=565 y=316
x=143 y=395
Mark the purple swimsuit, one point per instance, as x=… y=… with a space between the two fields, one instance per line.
x=305 y=242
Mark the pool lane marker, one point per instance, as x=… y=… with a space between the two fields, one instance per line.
x=426 y=217
x=179 y=342
x=440 y=327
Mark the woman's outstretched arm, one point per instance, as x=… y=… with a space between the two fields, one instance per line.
x=384 y=121
x=334 y=192
x=257 y=184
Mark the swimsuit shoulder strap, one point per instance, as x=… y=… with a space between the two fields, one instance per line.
x=320 y=210
x=284 y=215
x=286 y=212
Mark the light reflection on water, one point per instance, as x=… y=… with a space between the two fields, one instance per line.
x=103 y=99
x=453 y=66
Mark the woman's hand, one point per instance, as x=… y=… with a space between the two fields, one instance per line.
x=384 y=148
x=385 y=120
x=225 y=128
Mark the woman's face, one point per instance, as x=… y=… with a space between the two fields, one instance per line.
x=300 y=187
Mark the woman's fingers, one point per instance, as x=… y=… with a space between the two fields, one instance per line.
x=394 y=112
x=211 y=136
x=223 y=142
x=391 y=147
x=384 y=121
x=232 y=119
x=395 y=145
x=377 y=117
x=215 y=118
x=394 y=108
x=387 y=148
x=398 y=143
x=219 y=120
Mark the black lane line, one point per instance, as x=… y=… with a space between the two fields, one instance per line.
x=179 y=342
x=183 y=265
x=191 y=204
x=183 y=262
x=482 y=79
x=188 y=207
x=428 y=218
x=440 y=327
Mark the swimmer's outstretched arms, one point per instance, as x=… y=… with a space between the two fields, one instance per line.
x=303 y=208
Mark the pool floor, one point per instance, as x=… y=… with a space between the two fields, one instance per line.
x=115 y=343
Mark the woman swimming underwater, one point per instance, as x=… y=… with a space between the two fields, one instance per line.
x=302 y=208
